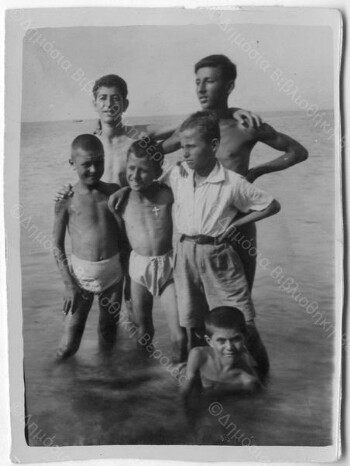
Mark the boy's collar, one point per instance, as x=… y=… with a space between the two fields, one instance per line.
x=217 y=175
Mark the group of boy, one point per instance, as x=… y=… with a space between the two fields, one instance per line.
x=205 y=283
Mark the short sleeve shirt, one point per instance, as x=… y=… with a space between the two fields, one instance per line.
x=210 y=206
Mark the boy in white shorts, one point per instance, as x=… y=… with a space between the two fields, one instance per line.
x=96 y=245
x=146 y=212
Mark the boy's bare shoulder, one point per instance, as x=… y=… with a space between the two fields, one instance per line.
x=199 y=354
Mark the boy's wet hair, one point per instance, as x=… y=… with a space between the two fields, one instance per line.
x=225 y=317
x=228 y=69
x=87 y=142
x=205 y=122
x=148 y=148
x=111 y=80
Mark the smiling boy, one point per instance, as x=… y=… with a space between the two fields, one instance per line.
x=146 y=212
x=95 y=260
x=225 y=365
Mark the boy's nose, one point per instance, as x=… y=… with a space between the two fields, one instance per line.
x=92 y=169
x=229 y=346
x=201 y=87
x=110 y=103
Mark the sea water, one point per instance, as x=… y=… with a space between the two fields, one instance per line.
x=94 y=399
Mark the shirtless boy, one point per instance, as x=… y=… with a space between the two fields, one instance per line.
x=95 y=259
x=215 y=80
x=146 y=211
x=110 y=100
x=225 y=365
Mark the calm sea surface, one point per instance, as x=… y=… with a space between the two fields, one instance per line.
x=94 y=400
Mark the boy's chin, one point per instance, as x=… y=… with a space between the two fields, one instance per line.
x=228 y=357
x=92 y=183
x=140 y=188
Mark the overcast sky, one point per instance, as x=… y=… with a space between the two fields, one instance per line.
x=157 y=63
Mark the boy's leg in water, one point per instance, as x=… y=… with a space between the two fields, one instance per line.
x=110 y=305
x=74 y=326
x=257 y=349
x=178 y=334
x=142 y=304
x=124 y=259
x=245 y=243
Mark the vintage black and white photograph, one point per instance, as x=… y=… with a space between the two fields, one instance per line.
x=179 y=215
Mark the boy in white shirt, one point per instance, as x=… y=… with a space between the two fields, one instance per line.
x=208 y=271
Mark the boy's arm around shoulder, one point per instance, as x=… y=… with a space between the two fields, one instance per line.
x=117 y=203
x=117 y=199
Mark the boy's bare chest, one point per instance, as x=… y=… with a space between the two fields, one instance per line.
x=235 y=146
x=115 y=159
x=147 y=212
x=88 y=207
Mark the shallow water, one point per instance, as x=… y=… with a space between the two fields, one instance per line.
x=95 y=399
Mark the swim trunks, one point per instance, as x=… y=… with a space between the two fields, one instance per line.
x=152 y=272
x=96 y=277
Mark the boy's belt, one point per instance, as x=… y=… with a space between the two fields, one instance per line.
x=202 y=239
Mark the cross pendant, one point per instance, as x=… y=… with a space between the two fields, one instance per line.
x=156 y=210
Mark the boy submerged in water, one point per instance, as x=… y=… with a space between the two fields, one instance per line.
x=225 y=364
x=95 y=259
x=146 y=212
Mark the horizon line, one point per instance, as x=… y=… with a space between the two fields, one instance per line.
x=79 y=120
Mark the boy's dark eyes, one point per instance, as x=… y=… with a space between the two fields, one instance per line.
x=233 y=340
x=97 y=164
x=116 y=98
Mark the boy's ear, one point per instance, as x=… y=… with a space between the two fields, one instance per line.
x=126 y=104
x=229 y=87
x=215 y=144
x=207 y=339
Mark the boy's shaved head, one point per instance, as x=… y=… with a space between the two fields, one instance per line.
x=228 y=69
x=225 y=317
x=88 y=143
x=111 y=80
x=205 y=122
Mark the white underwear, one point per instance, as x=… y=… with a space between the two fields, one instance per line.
x=96 y=277
x=152 y=272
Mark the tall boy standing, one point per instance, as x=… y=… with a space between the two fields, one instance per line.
x=215 y=81
x=208 y=271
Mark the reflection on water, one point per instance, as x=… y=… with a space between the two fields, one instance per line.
x=95 y=399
